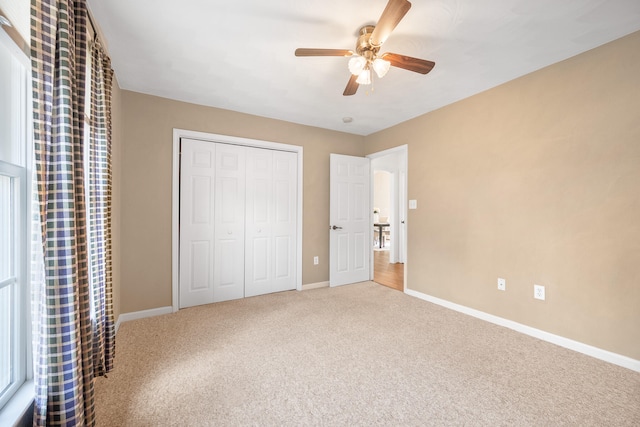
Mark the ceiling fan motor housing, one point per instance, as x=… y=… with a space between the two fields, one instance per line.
x=363 y=45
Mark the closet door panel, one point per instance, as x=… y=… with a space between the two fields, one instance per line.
x=259 y=270
x=230 y=169
x=237 y=222
x=196 y=222
x=283 y=255
x=285 y=173
x=258 y=265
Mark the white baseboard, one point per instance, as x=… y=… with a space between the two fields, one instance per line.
x=598 y=353
x=127 y=317
x=309 y=286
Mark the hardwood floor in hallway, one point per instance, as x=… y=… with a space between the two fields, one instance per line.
x=391 y=275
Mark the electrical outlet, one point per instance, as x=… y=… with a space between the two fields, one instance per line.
x=502 y=284
x=316 y=261
x=538 y=292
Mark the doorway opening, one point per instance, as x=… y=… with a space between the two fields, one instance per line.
x=388 y=197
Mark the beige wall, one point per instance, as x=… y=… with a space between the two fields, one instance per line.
x=147 y=132
x=536 y=181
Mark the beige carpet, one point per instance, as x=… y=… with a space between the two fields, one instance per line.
x=356 y=355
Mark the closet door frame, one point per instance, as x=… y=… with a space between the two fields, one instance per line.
x=175 y=198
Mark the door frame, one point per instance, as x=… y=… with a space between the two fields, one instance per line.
x=400 y=179
x=175 y=198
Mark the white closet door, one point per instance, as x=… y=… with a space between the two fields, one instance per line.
x=196 y=222
x=270 y=221
x=285 y=177
x=230 y=172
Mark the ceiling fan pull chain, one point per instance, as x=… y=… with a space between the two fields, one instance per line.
x=372 y=86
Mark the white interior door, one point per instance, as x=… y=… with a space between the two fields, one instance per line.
x=270 y=221
x=285 y=224
x=259 y=231
x=217 y=215
x=350 y=220
x=228 y=278
x=196 y=222
x=238 y=231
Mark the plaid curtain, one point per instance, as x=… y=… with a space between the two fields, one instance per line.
x=100 y=210
x=65 y=339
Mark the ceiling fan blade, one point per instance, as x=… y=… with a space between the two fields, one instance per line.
x=391 y=16
x=323 y=52
x=352 y=86
x=421 y=66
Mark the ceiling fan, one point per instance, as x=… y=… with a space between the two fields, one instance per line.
x=366 y=58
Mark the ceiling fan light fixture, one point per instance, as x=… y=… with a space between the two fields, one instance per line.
x=364 y=61
x=365 y=77
x=380 y=66
x=357 y=65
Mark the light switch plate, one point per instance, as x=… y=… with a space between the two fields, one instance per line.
x=413 y=204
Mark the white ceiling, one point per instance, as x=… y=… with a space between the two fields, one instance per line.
x=239 y=55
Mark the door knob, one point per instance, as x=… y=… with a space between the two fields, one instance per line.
x=335 y=227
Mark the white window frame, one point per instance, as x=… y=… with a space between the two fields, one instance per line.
x=18 y=397
x=18 y=279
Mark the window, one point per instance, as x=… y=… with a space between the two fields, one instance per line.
x=14 y=214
